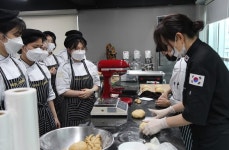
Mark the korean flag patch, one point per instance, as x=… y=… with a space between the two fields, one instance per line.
x=195 y=79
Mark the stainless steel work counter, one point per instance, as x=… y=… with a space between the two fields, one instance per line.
x=129 y=130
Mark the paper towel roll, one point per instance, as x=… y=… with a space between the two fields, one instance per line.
x=6 y=138
x=21 y=103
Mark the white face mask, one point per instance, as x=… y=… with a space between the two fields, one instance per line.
x=12 y=46
x=36 y=54
x=78 y=54
x=181 y=53
x=51 y=47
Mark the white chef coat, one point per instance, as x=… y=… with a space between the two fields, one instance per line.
x=35 y=74
x=64 y=74
x=63 y=55
x=11 y=71
x=50 y=60
x=177 y=81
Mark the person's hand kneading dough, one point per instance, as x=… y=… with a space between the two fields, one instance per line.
x=154 y=126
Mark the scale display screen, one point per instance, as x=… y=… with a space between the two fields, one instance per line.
x=111 y=107
x=122 y=105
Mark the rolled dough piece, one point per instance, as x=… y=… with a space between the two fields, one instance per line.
x=138 y=113
x=159 y=89
x=138 y=101
x=146 y=88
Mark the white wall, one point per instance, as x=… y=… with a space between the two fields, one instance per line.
x=217 y=10
x=125 y=29
x=58 y=22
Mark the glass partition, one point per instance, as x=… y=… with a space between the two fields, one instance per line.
x=218 y=38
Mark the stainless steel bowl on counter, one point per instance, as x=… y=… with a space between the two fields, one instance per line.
x=61 y=139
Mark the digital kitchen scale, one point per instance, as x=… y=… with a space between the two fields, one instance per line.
x=110 y=107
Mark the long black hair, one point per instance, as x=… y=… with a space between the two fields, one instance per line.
x=172 y=24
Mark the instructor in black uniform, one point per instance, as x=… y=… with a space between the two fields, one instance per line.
x=205 y=94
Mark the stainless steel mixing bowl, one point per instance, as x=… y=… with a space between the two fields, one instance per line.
x=61 y=139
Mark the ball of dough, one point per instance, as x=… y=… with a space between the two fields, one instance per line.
x=81 y=145
x=146 y=87
x=142 y=125
x=138 y=101
x=159 y=89
x=138 y=113
x=158 y=85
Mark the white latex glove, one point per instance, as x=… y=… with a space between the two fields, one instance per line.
x=162 y=112
x=153 y=126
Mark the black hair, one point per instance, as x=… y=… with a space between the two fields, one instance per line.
x=70 y=32
x=73 y=40
x=49 y=33
x=32 y=35
x=160 y=46
x=172 y=24
x=9 y=25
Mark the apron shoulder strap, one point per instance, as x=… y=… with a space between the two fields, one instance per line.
x=42 y=70
x=73 y=74
x=56 y=60
x=85 y=66
x=4 y=77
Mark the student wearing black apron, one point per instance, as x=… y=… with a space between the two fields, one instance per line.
x=12 y=72
x=40 y=79
x=205 y=94
x=53 y=62
x=76 y=81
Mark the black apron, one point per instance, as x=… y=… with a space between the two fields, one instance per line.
x=46 y=119
x=74 y=110
x=58 y=98
x=186 y=134
x=13 y=83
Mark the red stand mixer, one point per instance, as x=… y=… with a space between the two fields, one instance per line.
x=107 y=105
x=108 y=68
